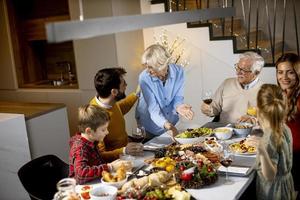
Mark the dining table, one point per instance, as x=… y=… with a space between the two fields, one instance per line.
x=240 y=175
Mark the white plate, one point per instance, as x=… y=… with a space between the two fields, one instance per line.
x=240 y=153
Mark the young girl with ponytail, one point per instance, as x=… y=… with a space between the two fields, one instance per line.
x=275 y=152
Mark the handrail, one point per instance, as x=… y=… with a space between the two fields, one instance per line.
x=296 y=26
x=256 y=25
x=283 y=29
x=249 y=23
x=274 y=30
x=255 y=33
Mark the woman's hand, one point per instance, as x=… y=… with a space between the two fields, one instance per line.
x=185 y=111
x=172 y=129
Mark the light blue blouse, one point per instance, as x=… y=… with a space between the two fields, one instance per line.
x=157 y=103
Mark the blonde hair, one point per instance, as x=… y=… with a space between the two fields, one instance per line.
x=156 y=56
x=272 y=108
x=91 y=116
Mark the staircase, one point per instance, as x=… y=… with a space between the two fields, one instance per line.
x=269 y=27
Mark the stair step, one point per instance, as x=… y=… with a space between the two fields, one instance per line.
x=239 y=33
x=237 y=23
x=263 y=45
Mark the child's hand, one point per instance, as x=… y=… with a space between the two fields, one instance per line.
x=118 y=163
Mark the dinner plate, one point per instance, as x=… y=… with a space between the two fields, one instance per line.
x=245 y=154
x=238 y=152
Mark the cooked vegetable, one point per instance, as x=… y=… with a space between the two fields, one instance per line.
x=197 y=132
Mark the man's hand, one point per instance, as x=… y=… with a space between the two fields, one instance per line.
x=185 y=111
x=135 y=149
x=207 y=109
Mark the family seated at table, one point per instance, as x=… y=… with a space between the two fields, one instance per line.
x=161 y=102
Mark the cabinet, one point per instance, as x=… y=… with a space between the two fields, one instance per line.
x=38 y=63
x=28 y=131
x=14 y=153
x=47 y=127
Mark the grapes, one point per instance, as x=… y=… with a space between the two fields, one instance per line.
x=196 y=149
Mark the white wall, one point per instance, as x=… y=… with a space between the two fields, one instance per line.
x=210 y=61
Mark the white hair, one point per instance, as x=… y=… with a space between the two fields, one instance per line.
x=257 y=60
x=156 y=56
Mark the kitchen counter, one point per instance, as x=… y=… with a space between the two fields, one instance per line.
x=30 y=110
x=47 y=127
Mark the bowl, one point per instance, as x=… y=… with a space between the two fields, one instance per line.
x=189 y=140
x=117 y=184
x=223 y=133
x=242 y=129
x=103 y=192
x=192 y=136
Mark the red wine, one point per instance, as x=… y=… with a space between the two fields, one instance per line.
x=226 y=162
x=207 y=101
x=137 y=138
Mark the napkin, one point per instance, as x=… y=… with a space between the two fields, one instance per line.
x=237 y=171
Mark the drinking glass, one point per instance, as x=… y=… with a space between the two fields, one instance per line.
x=138 y=134
x=207 y=97
x=226 y=160
x=251 y=110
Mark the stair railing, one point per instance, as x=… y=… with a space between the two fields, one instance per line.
x=253 y=13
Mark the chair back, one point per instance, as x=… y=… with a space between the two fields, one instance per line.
x=40 y=176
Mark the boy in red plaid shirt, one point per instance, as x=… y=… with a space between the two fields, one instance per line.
x=85 y=161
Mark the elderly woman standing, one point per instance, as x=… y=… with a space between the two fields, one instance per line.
x=288 y=77
x=161 y=99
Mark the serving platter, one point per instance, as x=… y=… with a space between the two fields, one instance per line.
x=241 y=148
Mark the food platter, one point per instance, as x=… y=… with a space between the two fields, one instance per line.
x=193 y=136
x=242 y=149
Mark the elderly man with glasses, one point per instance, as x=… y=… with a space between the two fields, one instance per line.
x=235 y=95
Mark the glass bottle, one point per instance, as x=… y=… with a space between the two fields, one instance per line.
x=66 y=190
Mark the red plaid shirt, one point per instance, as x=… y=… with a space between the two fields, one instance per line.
x=85 y=161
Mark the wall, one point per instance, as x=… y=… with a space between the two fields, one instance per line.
x=210 y=62
x=129 y=56
x=6 y=56
x=92 y=54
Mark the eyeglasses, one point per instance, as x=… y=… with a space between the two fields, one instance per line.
x=238 y=69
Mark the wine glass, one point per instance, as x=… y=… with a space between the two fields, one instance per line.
x=226 y=160
x=138 y=134
x=207 y=97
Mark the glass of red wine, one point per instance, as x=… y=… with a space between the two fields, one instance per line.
x=226 y=160
x=138 y=134
x=207 y=97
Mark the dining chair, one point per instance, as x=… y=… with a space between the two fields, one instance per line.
x=40 y=176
